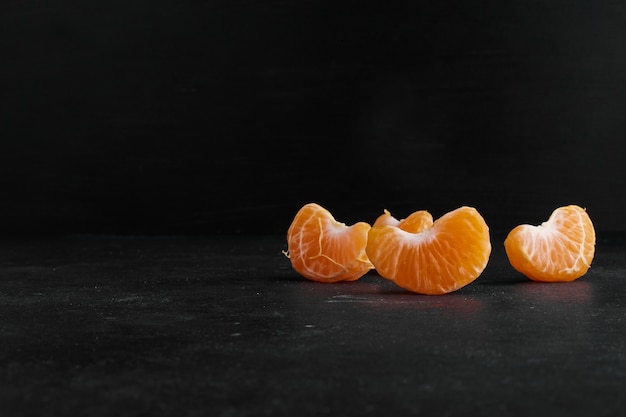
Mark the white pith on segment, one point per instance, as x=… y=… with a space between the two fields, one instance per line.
x=551 y=238
x=420 y=255
x=311 y=250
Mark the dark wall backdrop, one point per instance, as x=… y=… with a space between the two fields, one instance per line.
x=186 y=116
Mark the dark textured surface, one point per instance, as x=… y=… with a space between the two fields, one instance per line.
x=184 y=326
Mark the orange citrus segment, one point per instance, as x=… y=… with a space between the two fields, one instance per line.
x=325 y=250
x=439 y=259
x=386 y=219
x=415 y=223
x=560 y=249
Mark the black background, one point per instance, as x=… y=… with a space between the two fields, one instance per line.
x=215 y=117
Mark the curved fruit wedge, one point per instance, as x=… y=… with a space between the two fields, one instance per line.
x=415 y=223
x=325 y=250
x=560 y=249
x=439 y=259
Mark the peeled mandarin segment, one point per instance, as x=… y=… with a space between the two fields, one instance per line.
x=559 y=250
x=439 y=259
x=322 y=249
x=386 y=219
x=415 y=223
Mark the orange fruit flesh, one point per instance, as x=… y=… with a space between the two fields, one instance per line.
x=561 y=249
x=439 y=259
x=325 y=250
x=415 y=223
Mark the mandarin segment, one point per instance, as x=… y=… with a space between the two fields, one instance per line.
x=386 y=219
x=560 y=249
x=325 y=250
x=414 y=223
x=438 y=259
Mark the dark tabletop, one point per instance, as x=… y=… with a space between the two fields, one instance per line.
x=222 y=326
